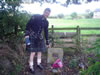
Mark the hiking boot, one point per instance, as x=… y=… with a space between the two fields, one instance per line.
x=32 y=70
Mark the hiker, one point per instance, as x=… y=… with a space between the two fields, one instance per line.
x=35 y=42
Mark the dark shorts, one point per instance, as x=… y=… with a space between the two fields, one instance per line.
x=36 y=45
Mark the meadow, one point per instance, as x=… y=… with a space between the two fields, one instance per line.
x=65 y=23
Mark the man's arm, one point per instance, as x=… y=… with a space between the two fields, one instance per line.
x=28 y=26
x=46 y=34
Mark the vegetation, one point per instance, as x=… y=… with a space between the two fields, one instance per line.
x=64 y=23
x=94 y=61
x=74 y=15
x=73 y=23
x=65 y=2
x=12 y=21
x=12 y=26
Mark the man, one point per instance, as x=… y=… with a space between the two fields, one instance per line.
x=33 y=32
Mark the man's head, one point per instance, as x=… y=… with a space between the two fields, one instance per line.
x=46 y=12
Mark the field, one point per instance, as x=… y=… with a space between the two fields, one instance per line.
x=64 y=23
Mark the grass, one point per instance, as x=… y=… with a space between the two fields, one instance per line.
x=62 y=23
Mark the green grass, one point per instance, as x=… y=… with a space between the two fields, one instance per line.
x=62 y=23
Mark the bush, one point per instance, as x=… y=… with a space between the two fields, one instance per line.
x=92 y=70
x=74 y=15
x=89 y=15
x=94 y=61
x=60 y=15
x=73 y=63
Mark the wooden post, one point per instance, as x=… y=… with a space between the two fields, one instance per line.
x=52 y=36
x=78 y=37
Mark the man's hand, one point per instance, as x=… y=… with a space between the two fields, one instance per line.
x=26 y=36
x=48 y=46
x=27 y=41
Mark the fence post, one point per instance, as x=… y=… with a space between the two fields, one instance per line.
x=52 y=36
x=78 y=37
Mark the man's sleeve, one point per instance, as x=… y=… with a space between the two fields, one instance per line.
x=46 y=34
x=28 y=26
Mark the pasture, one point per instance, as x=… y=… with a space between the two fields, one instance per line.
x=64 y=23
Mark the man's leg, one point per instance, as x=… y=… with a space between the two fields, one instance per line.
x=31 y=60
x=39 y=54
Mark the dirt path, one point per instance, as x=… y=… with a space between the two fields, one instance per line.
x=47 y=71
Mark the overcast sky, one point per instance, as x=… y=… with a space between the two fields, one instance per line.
x=58 y=9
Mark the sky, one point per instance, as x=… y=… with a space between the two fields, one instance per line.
x=56 y=9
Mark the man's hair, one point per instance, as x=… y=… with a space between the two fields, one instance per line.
x=48 y=9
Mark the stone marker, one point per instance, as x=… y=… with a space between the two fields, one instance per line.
x=54 y=53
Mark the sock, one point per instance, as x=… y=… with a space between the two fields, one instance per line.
x=31 y=64
x=38 y=61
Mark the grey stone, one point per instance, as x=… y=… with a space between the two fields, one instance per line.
x=54 y=53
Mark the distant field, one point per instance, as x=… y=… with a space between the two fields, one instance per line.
x=62 y=23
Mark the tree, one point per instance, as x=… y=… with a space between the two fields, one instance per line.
x=66 y=3
x=89 y=14
x=12 y=21
x=74 y=15
x=60 y=15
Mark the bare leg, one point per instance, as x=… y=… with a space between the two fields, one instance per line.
x=39 y=54
x=31 y=63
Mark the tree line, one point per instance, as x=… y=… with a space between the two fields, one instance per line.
x=65 y=3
